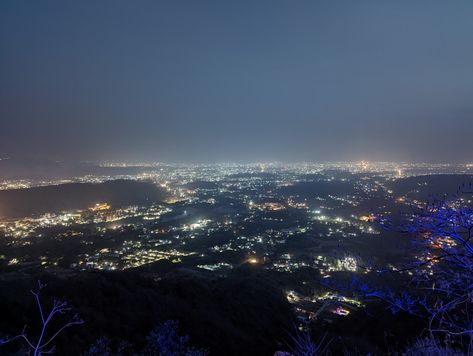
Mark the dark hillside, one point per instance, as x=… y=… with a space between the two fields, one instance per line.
x=243 y=314
x=26 y=202
x=421 y=187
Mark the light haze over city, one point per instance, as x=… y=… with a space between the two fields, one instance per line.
x=242 y=81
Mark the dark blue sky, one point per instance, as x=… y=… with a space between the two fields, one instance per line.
x=237 y=80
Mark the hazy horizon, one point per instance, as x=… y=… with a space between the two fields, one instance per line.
x=245 y=81
x=137 y=162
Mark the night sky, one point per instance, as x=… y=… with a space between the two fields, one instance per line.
x=207 y=81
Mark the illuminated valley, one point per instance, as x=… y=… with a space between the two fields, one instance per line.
x=302 y=224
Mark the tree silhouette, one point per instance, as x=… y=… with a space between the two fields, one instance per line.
x=444 y=272
x=42 y=344
x=440 y=279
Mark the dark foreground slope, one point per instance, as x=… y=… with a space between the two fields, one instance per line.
x=242 y=314
x=25 y=202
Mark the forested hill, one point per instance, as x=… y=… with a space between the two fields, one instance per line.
x=38 y=200
x=421 y=187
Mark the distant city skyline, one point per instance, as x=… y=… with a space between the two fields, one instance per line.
x=243 y=81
